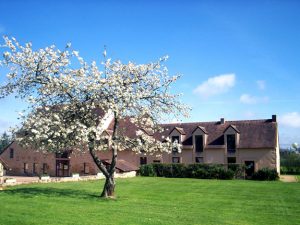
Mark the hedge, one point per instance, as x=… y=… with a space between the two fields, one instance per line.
x=265 y=174
x=204 y=171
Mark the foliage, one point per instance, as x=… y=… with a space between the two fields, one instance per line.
x=265 y=174
x=155 y=201
x=289 y=162
x=238 y=170
x=5 y=140
x=290 y=170
x=203 y=171
x=65 y=102
x=148 y=171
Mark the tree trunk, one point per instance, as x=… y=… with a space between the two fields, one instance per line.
x=109 y=187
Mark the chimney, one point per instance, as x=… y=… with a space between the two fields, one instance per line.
x=222 y=121
x=274 y=118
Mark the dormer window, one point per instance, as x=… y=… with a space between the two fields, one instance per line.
x=106 y=143
x=199 y=139
x=175 y=139
x=199 y=143
x=231 y=146
x=231 y=138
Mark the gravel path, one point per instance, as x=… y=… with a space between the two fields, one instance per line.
x=288 y=178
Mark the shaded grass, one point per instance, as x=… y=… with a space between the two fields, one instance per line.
x=145 y=200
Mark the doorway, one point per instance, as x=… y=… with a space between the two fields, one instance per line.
x=250 y=167
x=62 y=168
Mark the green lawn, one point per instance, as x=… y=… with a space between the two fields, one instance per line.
x=145 y=200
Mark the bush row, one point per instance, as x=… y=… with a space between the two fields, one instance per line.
x=265 y=174
x=204 y=171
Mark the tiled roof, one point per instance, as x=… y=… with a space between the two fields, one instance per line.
x=179 y=129
x=253 y=133
x=4 y=164
x=233 y=127
x=201 y=128
x=123 y=165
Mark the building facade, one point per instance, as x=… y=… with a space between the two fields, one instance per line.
x=253 y=143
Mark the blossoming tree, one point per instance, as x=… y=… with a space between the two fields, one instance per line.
x=64 y=102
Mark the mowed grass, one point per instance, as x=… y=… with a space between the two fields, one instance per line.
x=144 y=200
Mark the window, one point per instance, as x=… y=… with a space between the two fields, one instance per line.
x=231 y=160
x=175 y=159
x=11 y=153
x=45 y=168
x=105 y=143
x=143 y=160
x=199 y=143
x=35 y=168
x=199 y=160
x=175 y=139
x=86 y=168
x=25 y=167
x=156 y=161
x=231 y=143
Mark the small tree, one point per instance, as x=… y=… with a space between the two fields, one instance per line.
x=65 y=101
x=5 y=140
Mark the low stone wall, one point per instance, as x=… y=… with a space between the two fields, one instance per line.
x=125 y=175
x=99 y=176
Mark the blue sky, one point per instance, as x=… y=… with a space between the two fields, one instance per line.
x=237 y=60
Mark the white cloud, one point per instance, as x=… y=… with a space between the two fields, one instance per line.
x=248 y=99
x=215 y=85
x=261 y=84
x=291 y=119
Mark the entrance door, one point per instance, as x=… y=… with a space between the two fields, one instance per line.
x=249 y=168
x=62 y=168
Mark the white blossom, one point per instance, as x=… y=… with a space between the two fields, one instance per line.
x=64 y=100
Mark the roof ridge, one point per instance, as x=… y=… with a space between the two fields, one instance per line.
x=227 y=121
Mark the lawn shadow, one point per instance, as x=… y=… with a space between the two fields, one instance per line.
x=32 y=192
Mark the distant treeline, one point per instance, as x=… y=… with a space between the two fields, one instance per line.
x=289 y=162
x=5 y=140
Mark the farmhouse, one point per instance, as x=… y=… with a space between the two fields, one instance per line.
x=253 y=143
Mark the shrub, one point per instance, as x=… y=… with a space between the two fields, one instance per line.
x=238 y=170
x=202 y=171
x=178 y=170
x=265 y=174
x=225 y=174
x=167 y=170
x=147 y=170
x=158 y=169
